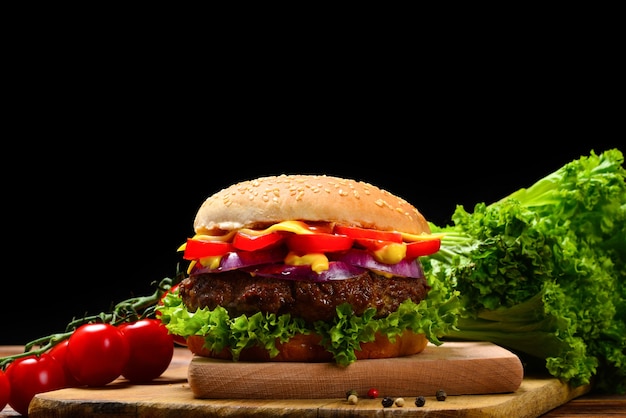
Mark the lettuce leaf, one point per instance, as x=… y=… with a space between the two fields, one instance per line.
x=542 y=271
x=434 y=316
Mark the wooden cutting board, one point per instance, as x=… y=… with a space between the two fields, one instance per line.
x=171 y=396
x=461 y=368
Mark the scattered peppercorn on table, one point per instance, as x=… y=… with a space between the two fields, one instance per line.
x=170 y=395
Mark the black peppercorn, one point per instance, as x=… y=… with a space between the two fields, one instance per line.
x=420 y=401
x=387 y=401
x=441 y=395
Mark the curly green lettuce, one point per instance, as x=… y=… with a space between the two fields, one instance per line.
x=433 y=317
x=542 y=271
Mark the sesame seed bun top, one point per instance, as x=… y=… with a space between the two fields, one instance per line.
x=317 y=198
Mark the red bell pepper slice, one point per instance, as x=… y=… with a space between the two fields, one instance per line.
x=422 y=248
x=196 y=249
x=365 y=233
x=318 y=243
x=247 y=242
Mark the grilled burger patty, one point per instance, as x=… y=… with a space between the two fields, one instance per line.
x=240 y=293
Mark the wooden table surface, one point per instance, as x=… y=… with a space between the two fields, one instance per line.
x=585 y=406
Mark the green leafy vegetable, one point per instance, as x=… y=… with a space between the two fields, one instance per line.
x=432 y=317
x=542 y=271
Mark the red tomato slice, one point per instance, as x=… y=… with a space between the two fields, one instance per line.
x=318 y=243
x=421 y=248
x=198 y=249
x=365 y=233
x=246 y=242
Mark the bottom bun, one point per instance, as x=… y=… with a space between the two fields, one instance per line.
x=306 y=348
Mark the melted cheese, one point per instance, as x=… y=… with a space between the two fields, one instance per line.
x=391 y=253
x=228 y=237
x=317 y=261
x=297 y=227
x=420 y=237
x=212 y=262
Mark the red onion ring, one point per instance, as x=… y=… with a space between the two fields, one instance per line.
x=337 y=270
x=361 y=258
x=242 y=259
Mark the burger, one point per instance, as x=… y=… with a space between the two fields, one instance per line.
x=305 y=268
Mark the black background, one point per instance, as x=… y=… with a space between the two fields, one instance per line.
x=107 y=156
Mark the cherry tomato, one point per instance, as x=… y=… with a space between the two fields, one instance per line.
x=366 y=233
x=318 y=243
x=59 y=352
x=196 y=249
x=31 y=375
x=151 y=349
x=421 y=248
x=178 y=339
x=247 y=242
x=5 y=390
x=97 y=354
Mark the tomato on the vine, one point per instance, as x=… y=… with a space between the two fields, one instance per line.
x=31 y=375
x=151 y=349
x=59 y=352
x=97 y=353
x=5 y=390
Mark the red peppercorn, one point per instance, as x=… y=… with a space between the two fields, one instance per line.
x=372 y=393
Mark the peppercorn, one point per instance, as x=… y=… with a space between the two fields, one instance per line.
x=353 y=399
x=351 y=392
x=420 y=401
x=387 y=401
x=441 y=395
x=372 y=393
x=399 y=402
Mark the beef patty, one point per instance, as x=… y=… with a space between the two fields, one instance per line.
x=240 y=293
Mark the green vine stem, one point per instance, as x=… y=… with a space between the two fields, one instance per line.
x=126 y=311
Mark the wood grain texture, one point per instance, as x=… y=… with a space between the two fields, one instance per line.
x=461 y=368
x=171 y=396
x=164 y=399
